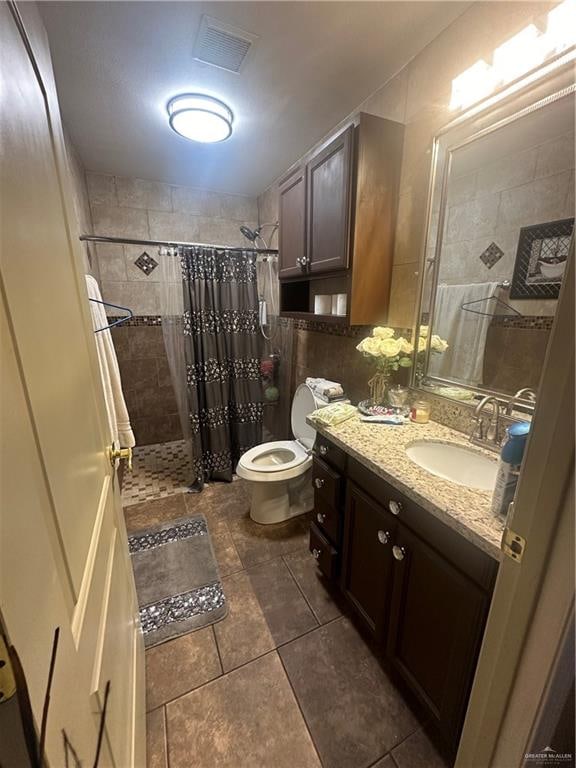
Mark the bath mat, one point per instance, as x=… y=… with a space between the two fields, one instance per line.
x=177 y=580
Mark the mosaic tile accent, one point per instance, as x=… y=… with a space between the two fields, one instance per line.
x=138 y=320
x=491 y=255
x=158 y=470
x=156 y=539
x=334 y=329
x=532 y=322
x=181 y=607
x=146 y=263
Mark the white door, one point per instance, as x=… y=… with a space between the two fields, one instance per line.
x=63 y=551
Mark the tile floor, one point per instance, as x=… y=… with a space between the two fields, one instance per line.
x=158 y=471
x=285 y=680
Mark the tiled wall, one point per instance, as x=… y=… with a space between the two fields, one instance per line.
x=135 y=208
x=419 y=97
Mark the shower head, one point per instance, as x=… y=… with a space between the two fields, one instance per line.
x=249 y=234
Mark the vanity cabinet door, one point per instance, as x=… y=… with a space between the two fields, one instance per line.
x=329 y=176
x=367 y=559
x=437 y=618
x=292 y=232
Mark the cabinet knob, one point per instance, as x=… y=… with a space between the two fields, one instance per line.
x=317 y=553
x=398 y=552
x=320 y=517
x=323 y=450
x=395 y=507
x=318 y=482
x=383 y=537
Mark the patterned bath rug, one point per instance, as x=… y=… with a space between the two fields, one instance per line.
x=177 y=580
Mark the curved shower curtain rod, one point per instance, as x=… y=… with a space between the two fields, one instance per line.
x=173 y=244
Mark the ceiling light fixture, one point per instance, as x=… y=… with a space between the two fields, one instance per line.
x=200 y=118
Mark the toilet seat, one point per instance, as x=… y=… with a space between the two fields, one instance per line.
x=275 y=461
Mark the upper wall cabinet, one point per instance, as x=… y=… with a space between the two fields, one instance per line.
x=292 y=236
x=328 y=183
x=337 y=223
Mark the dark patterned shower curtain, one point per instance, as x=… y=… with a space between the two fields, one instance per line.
x=222 y=358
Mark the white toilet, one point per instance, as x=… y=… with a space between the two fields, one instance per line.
x=280 y=472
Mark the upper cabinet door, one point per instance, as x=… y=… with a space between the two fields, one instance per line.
x=292 y=235
x=329 y=176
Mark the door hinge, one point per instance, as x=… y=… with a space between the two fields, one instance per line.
x=513 y=544
x=7 y=681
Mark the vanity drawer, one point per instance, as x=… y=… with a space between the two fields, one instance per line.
x=327 y=518
x=327 y=483
x=330 y=453
x=324 y=553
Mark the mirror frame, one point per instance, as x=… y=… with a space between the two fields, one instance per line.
x=545 y=85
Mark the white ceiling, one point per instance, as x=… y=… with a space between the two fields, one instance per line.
x=118 y=63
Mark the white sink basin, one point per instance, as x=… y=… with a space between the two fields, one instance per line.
x=458 y=463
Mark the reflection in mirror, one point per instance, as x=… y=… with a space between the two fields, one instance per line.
x=504 y=222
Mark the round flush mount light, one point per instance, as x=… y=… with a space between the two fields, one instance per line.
x=200 y=118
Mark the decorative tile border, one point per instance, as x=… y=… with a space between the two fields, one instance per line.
x=532 y=322
x=137 y=320
x=334 y=329
x=198 y=601
x=146 y=541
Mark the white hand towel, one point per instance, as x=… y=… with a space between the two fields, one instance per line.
x=118 y=417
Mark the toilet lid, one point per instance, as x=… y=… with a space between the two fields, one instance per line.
x=303 y=403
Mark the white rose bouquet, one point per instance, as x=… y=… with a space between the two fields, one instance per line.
x=389 y=354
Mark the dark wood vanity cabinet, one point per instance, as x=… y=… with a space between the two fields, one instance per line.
x=328 y=183
x=419 y=589
x=292 y=232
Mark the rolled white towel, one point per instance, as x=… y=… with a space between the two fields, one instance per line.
x=325 y=388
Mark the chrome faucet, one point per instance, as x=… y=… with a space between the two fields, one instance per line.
x=487 y=435
x=523 y=394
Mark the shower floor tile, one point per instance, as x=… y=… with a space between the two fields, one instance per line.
x=158 y=470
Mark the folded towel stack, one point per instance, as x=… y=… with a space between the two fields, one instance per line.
x=327 y=391
x=334 y=414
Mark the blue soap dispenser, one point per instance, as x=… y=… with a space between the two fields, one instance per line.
x=509 y=465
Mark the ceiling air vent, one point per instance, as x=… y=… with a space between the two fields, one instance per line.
x=222 y=45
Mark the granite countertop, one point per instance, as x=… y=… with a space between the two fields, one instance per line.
x=382 y=449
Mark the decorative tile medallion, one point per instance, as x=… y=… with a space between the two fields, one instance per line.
x=146 y=263
x=143 y=542
x=181 y=607
x=491 y=255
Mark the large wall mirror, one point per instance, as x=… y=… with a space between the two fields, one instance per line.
x=501 y=224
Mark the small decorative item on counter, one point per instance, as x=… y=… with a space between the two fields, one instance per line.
x=398 y=396
x=511 y=456
x=420 y=412
x=333 y=414
x=389 y=354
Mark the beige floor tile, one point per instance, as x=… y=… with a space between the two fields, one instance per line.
x=418 y=752
x=156 y=753
x=150 y=513
x=226 y=554
x=180 y=665
x=322 y=597
x=246 y=719
x=257 y=543
x=244 y=634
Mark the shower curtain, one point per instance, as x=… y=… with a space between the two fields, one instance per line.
x=210 y=321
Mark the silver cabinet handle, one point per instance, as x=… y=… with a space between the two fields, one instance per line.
x=318 y=482
x=395 y=507
x=383 y=537
x=320 y=517
x=398 y=552
x=323 y=450
x=317 y=553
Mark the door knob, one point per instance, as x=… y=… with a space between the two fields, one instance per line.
x=318 y=482
x=398 y=552
x=383 y=537
x=120 y=453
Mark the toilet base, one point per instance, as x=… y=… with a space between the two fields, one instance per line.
x=275 y=502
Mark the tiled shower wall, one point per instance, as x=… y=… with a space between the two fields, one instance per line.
x=134 y=208
x=419 y=97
